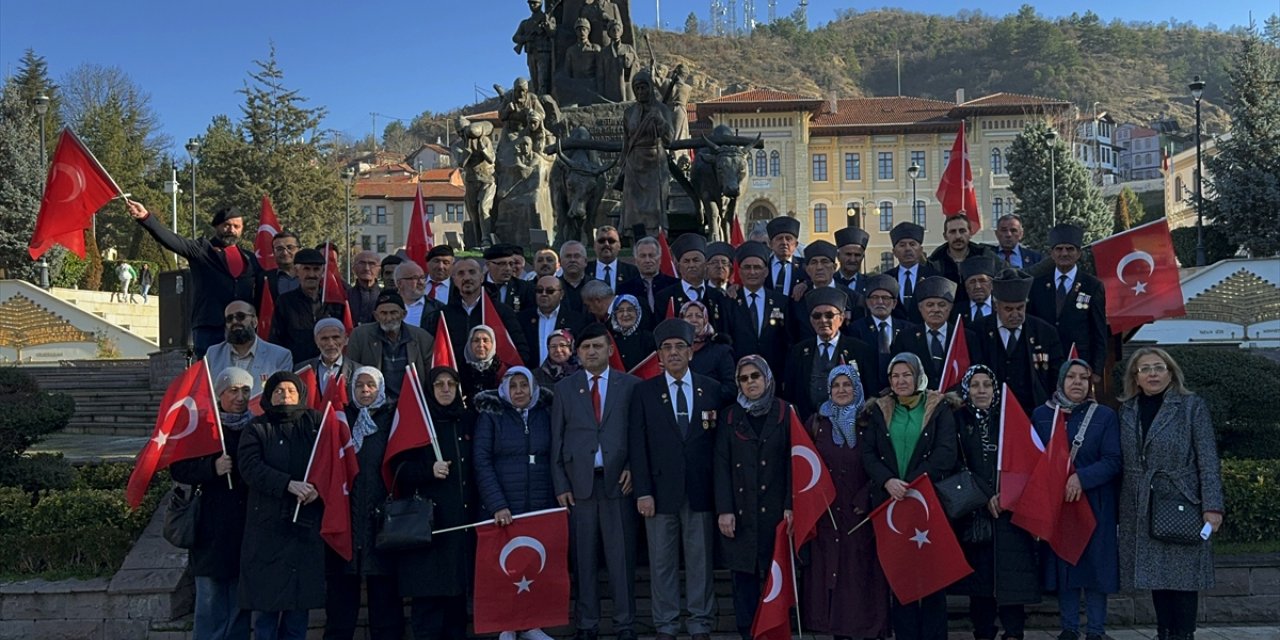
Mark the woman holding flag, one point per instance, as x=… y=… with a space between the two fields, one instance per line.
x=282 y=560
x=1094 y=435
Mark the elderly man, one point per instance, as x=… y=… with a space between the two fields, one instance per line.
x=810 y=360
x=411 y=284
x=931 y=340
x=298 y=311
x=597 y=299
x=242 y=347
x=501 y=281
x=907 y=239
x=389 y=344
x=719 y=268
x=1071 y=300
x=786 y=272
x=546 y=318
x=546 y=263
x=439 y=268
x=331 y=364
x=573 y=264
x=606 y=266
x=1010 y=250
x=466 y=311
x=363 y=293
x=881 y=326
x=820 y=266
x=690 y=251
x=1025 y=352
x=851 y=244
x=282 y=279
x=648 y=256
x=976 y=274
x=761 y=319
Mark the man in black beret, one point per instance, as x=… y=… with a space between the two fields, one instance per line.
x=298 y=311
x=501 y=281
x=221 y=272
x=907 y=239
x=932 y=340
x=762 y=320
x=851 y=246
x=389 y=344
x=976 y=275
x=1073 y=301
x=786 y=272
x=1022 y=350
x=690 y=251
x=439 y=266
x=881 y=326
x=956 y=248
x=810 y=360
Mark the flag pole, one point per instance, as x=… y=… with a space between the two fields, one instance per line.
x=795 y=588
x=491 y=520
x=217 y=417
x=422 y=403
x=319 y=433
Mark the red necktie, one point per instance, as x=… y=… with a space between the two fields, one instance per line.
x=235 y=261
x=595 y=396
x=431 y=295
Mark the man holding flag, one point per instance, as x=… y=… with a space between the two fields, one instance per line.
x=298 y=311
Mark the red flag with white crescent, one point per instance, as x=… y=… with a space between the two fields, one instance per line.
x=336 y=393
x=773 y=616
x=917 y=548
x=268 y=227
x=1042 y=509
x=442 y=350
x=955 y=190
x=74 y=190
x=522 y=573
x=1019 y=450
x=1139 y=270
x=186 y=427
x=957 y=361
x=812 y=490
x=332 y=471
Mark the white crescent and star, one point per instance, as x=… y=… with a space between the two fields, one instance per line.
x=912 y=494
x=815 y=468
x=523 y=541
x=775 y=582
x=76 y=176
x=163 y=438
x=1139 y=287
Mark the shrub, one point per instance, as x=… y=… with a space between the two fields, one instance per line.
x=37 y=473
x=104 y=475
x=1252 y=489
x=29 y=414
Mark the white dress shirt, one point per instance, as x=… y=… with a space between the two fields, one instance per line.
x=1071 y=278
x=413 y=311
x=761 y=301
x=442 y=290
x=612 y=280
x=546 y=327
x=786 y=266
x=906 y=274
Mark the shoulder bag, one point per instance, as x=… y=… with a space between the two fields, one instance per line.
x=959 y=492
x=405 y=523
x=182 y=518
x=1172 y=517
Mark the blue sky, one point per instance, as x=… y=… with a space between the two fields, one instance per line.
x=390 y=57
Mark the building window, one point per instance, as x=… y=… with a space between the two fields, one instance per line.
x=886 y=215
x=819 y=218
x=819 y=167
x=917 y=213
x=886 y=165
x=775 y=163
x=381 y=215
x=946 y=159
x=917 y=158
x=367 y=214
x=431 y=213
x=886 y=261
x=366 y=243
x=852 y=166
x=762 y=169
x=997 y=210
x=382 y=244
x=997 y=162
x=1177 y=189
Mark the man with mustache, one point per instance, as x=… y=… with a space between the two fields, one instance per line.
x=298 y=311
x=243 y=349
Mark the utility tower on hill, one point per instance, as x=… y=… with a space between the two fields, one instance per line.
x=804 y=14
x=717 y=17
x=749 y=15
x=773 y=11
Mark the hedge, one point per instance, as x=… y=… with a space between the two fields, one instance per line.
x=1252 y=489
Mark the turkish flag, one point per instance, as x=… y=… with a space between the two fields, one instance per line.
x=268 y=227
x=1140 y=273
x=522 y=573
x=615 y=356
x=186 y=427
x=442 y=351
x=735 y=234
x=266 y=311
x=773 y=616
x=957 y=361
x=335 y=392
x=665 y=263
x=332 y=469
x=1020 y=449
x=1074 y=354
x=955 y=190
x=75 y=188
x=255 y=404
x=671 y=308
x=1043 y=511
x=918 y=551
x=315 y=395
x=648 y=368
x=334 y=292
x=411 y=427
x=812 y=490
x=420 y=237
x=506 y=347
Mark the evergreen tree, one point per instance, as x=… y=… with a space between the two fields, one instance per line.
x=1128 y=210
x=33 y=80
x=1078 y=200
x=22 y=185
x=1244 y=176
x=691 y=27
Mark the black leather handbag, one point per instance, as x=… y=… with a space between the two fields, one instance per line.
x=1173 y=518
x=960 y=494
x=405 y=523
x=182 y=518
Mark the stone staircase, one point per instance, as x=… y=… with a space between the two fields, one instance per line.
x=136 y=317
x=113 y=397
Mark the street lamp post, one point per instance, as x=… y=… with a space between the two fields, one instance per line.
x=1097 y=143
x=193 y=149
x=1052 y=138
x=913 y=172
x=348 y=177
x=41 y=104
x=1197 y=90
x=851 y=216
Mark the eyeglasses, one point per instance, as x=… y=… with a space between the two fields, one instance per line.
x=748 y=377
x=1153 y=368
x=880 y=298
x=238 y=316
x=418 y=278
x=823 y=315
x=286 y=247
x=546 y=290
x=444 y=384
x=606 y=240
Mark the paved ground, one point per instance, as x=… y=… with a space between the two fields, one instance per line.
x=78 y=447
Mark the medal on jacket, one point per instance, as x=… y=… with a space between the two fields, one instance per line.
x=775 y=316
x=708 y=419
x=1082 y=301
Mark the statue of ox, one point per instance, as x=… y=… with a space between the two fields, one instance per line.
x=716 y=177
x=577 y=186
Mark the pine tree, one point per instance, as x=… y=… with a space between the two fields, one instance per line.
x=21 y=187
x=691 y=26
x=33 y=80
x=1078 y=200
x=1244 y=176
x=1128 y=210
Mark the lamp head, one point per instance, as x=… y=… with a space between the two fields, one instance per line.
x=913 y=171
x=1196 y=87
x=193 y=146
x=41 y=103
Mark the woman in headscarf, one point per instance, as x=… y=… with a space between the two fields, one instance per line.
x=215 y=558
x=282 y=560
x=844 y=589
x=634 y=344
x=479 y=371
x=438 y=577
x=910 y=433
x=561 y=361
x=752 y=483
x=712 y=353
x=370 y=416
x=1093 y=432
x=1006 y=571
x=513 y=453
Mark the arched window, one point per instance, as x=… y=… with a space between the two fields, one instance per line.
x=886 y=215
x=820 y=218
x=762 y=169
x=997 y=207
x=997 y=162
x=918 y=213
x=1177 y=189
x=775 y=163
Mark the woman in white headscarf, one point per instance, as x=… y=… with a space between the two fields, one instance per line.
x=481 y=368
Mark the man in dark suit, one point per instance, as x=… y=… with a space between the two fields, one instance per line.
x=501 y=282
x=786 y=272
x=466 y=311
x=761 y=319
x=811 y=359
x=221 y=272
x=648 y=256
x=690 y=251
x=1010 y=249
x=421 y=310
x=956 y=249
x=931 y=341
x=851 y=246
x=881 y=326
x=282 y=279
x=573 y=265
x=606 y=267
x=362 y=294
x=591 y=472
x=1023 y=351
x=389 y=344
x=1071 y=300
x=331 y=364
x=976 y=274
x=820 y=266
x=907 y=239
x=719 y=265
x=297 y=312
x=546 y=318
x=673 y=418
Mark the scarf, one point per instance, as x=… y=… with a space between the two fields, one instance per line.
x=613 y=315
x=760 y=406
x=452 y=411
x=287 y=412
x=471 y=358
x=235 y=421
x=983 y=418
x=703 y=335
x=558 y=372
x=1060 y=398
x=365 y=425
x=504 y=389
x=844 y=417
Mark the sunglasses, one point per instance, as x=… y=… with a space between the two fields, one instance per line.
x=823 y=315
x=606 y=240
x=748 y=377
x=546 y=290
x=238 y=316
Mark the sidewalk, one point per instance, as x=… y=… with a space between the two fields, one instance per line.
x=80 y=447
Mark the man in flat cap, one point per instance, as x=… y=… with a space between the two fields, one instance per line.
x=501 y=282
x=932 y=340
x=1024 y=351
x=439 y=267
x=719 y=265
x=220 y=271
x=606 y=267
x=881 y=326
x=786 y=272
x=907 y=239
x=673 y=425
x=851 y=246
x=811 y=359
x=389 y=345
x=1071 y=300
x=956 y=248
x=298 y=311
x=976 y=275
x=820 y=266
x=690 y=253
x=762 y=320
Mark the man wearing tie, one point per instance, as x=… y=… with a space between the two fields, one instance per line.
x=811 y=359
x=851 y=243
x=881 y=326
x=930 y=341
x=591 y=471
x=762 y=320
x=1009 y=238
x=439 y=267
x=501 y=283
x=1071 y=300
x=673 y=419
x=976 y=274
x=690 y=251
x=645 y=288
x=547 y=318
x=719 y=265
x=907 y=239
x=606 y=266
x=1023 y=351
x=786 y=273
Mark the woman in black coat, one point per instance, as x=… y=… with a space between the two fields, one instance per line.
x=215 y=558
x=910 y=433
x=712 y=352
x=752 y=483
x=1003 y=556
x=370 y=416
x=282 y=560
x=634 y=344
x=438 y=577
x=480 y=367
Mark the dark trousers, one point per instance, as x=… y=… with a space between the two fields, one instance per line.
x=342 y=607
x=746 y=598
x=925 y=619
x=439 y=618
x=609 y=523
x=983 y=611
x=1176 y=610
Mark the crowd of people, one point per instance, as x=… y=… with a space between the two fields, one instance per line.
x=689 y=466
